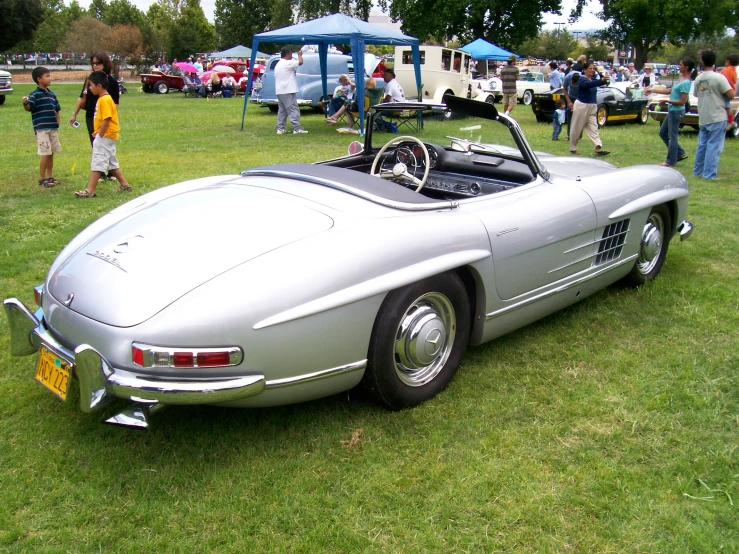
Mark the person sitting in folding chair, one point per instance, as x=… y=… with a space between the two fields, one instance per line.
x=372 y=96
x=341 y=100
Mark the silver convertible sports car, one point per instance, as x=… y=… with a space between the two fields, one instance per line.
x=294 y=282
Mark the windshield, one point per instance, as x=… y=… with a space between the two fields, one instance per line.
x=457 y=133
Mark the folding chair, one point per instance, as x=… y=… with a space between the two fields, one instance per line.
x=411 y=119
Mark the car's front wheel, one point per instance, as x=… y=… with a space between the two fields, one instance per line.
x=643 y=116
x=655 y=239
x=602 y=115
x=528 y=97
x=490 y=99
x=2 y=100
x=418 y=339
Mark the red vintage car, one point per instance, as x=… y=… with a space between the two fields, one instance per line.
x=241 y=69
x=158 y=82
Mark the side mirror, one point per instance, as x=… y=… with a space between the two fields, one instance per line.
x=355 y=147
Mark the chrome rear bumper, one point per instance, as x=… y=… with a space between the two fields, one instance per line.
x=100 y=382
x=685 y=229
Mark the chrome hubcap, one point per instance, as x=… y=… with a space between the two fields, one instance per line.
x=651 y=243
x=424 y=339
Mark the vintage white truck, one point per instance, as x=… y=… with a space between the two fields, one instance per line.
x=443 y=71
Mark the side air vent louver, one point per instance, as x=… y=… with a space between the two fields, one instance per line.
x=614 y=238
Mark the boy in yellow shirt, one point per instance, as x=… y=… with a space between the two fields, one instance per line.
x=105 y=138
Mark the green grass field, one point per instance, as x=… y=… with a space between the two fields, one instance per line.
x=612 y=426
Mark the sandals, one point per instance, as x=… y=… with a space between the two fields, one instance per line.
x=52 y=181
x=683 y=157
x=84 y=194
x=665 y=164
x=124 y=188
x=45 y=183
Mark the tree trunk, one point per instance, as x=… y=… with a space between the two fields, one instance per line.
x=641 y=53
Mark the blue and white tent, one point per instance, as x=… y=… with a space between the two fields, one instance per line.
x=336 y=29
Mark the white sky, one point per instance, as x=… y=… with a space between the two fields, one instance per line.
x=587 y=22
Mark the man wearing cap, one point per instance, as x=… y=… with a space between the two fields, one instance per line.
x=393 y=90
x=508 y=76
x=621 y=75
x=631 y=72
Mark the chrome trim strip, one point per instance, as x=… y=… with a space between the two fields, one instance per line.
x=506 y=231
x=593 y=255
x=447 y=205
x=559 y=289
x=308 y=377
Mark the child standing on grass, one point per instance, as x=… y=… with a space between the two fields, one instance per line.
x=558 y=118
x=105 y=135
x=44 y=108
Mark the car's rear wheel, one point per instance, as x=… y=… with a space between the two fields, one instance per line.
x=602 y=115
x=541 y=118
x=655 y=239
x=418 y=340
x=528 y=97
x=643 y=115
x=161 y=87
x=273 y=109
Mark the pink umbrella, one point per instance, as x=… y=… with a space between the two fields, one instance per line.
x=187 y=67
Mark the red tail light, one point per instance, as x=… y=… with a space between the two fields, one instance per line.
x=213 y=359
x=145 y=355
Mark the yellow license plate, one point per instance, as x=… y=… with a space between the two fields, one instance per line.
x=53 y=372
x=556 y=97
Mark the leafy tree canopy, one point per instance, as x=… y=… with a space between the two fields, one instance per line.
x=87 y=34
x=49 y=35
x=191 y=32
x=123 y=12
x=648 y=25
x=550 y=45
x=502 y=22
x=20 y=18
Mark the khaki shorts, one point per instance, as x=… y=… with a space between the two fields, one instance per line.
x=510 y=99
x=48 y=142
x=103 y=155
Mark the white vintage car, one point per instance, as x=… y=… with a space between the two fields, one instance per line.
x=6 y=80
x=443 y=71
x=531 y=83
x=488 y=90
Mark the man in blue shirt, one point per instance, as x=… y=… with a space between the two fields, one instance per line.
x=585 y=109
x=555 y=77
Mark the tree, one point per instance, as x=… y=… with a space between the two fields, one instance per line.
x=20 y=18
x=191 y=32
x=597 y=49
x=647 y=25
x=549 y=45
x=87 y=34
x=237 y=21
x=310 y=9
x=507 y=24
x=124 y=13
x=126 y=41
x=50 y=34
x=97 y=9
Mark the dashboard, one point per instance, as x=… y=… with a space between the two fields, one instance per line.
x=454 y=174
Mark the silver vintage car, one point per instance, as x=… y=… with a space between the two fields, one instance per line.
x=294 y=282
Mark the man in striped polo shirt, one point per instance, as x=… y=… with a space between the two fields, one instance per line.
x=44 y=108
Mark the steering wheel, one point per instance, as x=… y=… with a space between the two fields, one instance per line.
x=400 y=170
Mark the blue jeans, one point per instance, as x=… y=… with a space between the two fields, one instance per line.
x=556 y=128
x=711 y=139
x=668 y=133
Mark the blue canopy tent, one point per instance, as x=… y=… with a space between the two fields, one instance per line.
x=336 y=29
x=483 y=50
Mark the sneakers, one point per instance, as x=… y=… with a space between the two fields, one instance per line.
x=280 y=131
x=300 y=132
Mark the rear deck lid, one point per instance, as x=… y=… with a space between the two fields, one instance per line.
x=137 y=267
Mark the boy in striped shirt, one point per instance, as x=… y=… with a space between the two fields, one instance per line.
x=44 y=108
